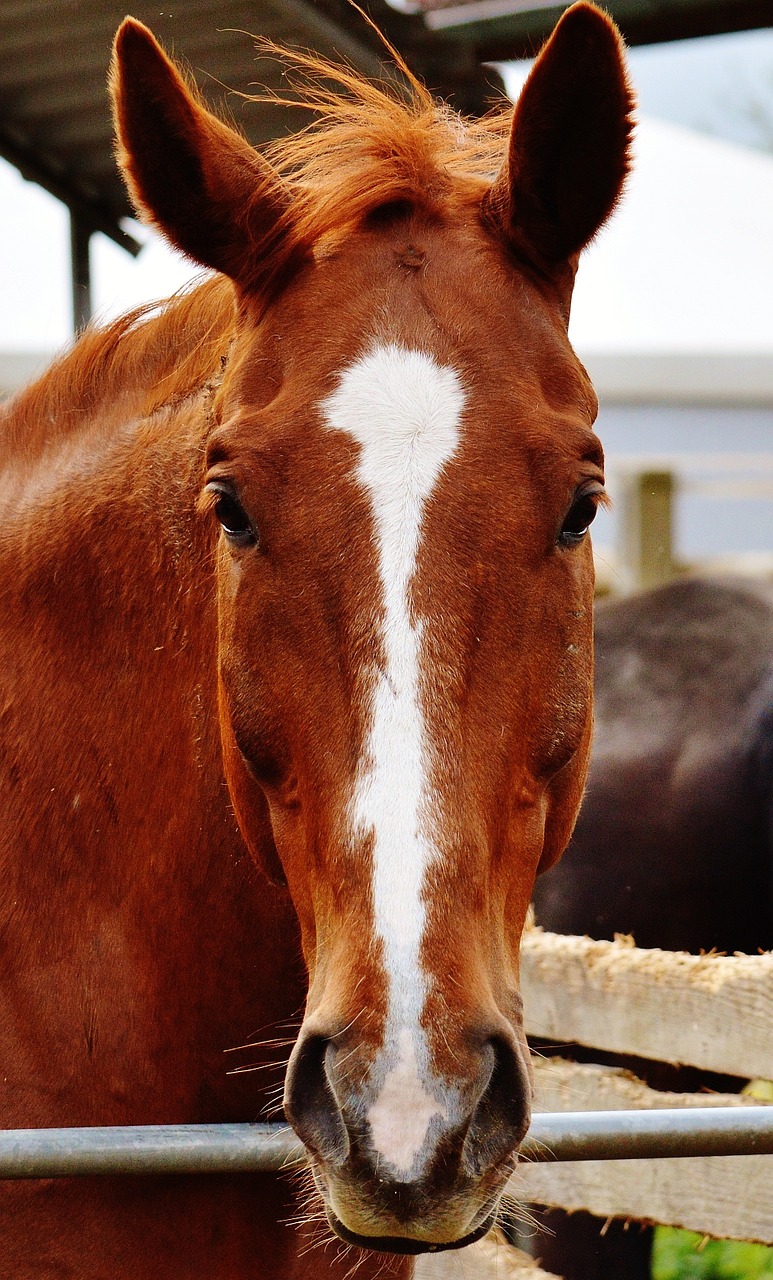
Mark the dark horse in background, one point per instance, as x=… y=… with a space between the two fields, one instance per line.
x=674 y=843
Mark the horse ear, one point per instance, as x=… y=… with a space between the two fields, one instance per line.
x=202 y=184
x=569 y=143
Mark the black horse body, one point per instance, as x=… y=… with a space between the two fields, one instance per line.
x=674 y=843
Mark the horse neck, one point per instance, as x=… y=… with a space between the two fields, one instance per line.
x=107 y=573
x=118 y=822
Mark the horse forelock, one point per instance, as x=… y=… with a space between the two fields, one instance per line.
x=368 y=148
x=372 y=145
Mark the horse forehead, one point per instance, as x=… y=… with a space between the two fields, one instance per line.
x=444 y=294
x=402 y=404
x=412 y=410
x=445 y=290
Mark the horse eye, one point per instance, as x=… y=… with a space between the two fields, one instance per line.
x=234 y=521
x=581 y=515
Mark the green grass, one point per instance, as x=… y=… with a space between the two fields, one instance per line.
x=682 y=1255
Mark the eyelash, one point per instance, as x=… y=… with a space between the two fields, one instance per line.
x=579 y=518
x=232 y=517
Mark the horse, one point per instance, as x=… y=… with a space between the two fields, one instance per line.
x=674 y=842
x=297 y=666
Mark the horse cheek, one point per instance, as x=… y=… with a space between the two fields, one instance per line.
x=565 y=796
x=250 y=806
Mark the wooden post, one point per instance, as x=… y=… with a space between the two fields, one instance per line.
x=646 y=529
x=80 y=267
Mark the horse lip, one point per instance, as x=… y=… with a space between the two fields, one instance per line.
x=404 y=1245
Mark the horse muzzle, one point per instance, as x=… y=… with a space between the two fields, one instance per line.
x=408 y=1163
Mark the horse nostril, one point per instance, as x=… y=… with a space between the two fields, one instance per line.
x=501 y=1116
x=310 y=1103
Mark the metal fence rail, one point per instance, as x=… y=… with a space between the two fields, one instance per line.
x=254 y=1148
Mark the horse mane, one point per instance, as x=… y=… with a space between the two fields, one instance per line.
x=369 y=147
x=154 y=356
x=372 y=146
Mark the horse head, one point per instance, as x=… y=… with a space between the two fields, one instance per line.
x=400 y=474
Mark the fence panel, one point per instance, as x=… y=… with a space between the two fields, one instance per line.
x=728 y=1197
x=713 y=1012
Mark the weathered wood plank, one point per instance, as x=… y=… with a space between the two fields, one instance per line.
x=714 y=1012
x=490 y=1259
x=574 y=1086
x=726 y=1197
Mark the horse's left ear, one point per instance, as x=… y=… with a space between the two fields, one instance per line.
x=569 y=144
x=202 y=184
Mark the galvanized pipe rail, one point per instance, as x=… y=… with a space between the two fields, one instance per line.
x=255 y=1148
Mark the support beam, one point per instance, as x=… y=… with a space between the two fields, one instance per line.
x=503 y=29
x=96 y=214
x=80 y=271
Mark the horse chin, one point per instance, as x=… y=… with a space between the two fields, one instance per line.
x=406 y=1245
x=424 y=1240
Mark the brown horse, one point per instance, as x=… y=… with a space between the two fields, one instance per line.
x=297 y=568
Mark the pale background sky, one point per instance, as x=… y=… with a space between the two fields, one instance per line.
x=686 y=264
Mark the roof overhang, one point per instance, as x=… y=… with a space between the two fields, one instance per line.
x=505 y=29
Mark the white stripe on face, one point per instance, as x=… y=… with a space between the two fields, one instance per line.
x=404 y=410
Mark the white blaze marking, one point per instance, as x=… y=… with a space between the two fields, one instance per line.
x=403 y=409
x=401 y=1115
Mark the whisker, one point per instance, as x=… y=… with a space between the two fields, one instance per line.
x=254 y=1066
x=349 y=1025
x=513 y=1211
x=291 y=1025
x=278 y=1042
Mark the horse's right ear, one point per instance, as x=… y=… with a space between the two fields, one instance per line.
x=202 y=184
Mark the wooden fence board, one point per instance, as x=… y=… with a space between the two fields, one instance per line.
x=727 y=1196
x=714 y=1012
x=577 y=1086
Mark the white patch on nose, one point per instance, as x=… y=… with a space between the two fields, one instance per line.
x=404 y=410
x=401 y=1115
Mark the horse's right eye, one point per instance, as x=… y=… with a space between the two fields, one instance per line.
x=234 y=521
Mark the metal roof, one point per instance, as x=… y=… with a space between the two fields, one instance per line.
x=54 y=119
x=502 y=29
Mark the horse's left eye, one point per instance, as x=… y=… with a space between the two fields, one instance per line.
x=581 y=515
x=234 y=521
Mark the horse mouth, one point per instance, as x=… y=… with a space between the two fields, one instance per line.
x=406 y=1245
x=419 y=1226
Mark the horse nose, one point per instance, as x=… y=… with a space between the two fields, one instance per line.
x=483 y=1119
x=501 y=1114
x=310 y=1101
